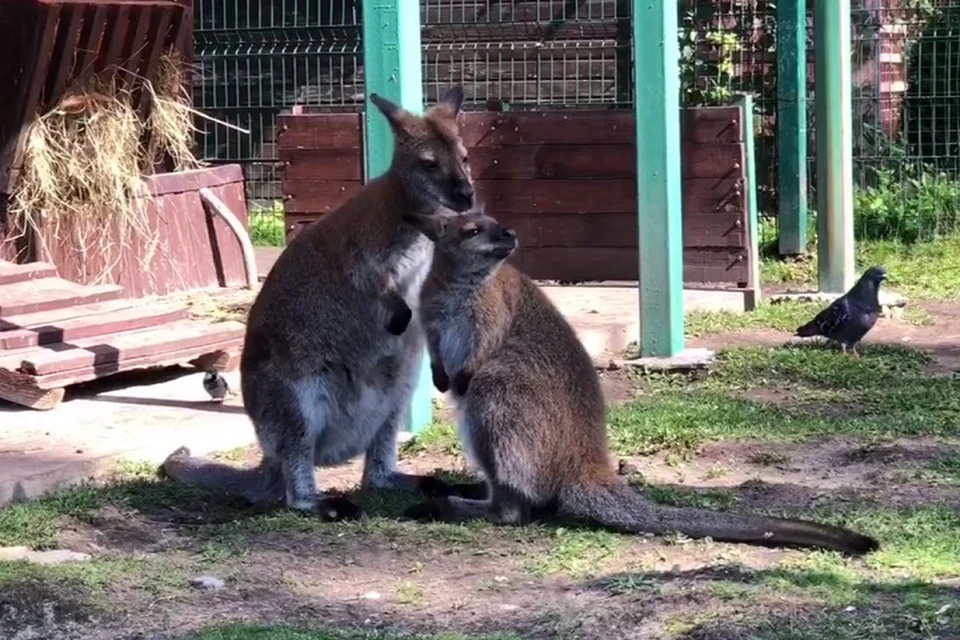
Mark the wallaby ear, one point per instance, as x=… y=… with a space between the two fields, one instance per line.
x=449 y=105
x=434 y=228
x=392 y=112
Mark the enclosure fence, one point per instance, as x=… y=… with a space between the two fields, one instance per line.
x=257 y=60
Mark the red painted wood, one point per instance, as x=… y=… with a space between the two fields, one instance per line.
x=167 y=358
x=11 y=273
x=139 y=317
x=51 y=293
x=105 y=352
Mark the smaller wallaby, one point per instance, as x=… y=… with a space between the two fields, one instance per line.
x=530 y=408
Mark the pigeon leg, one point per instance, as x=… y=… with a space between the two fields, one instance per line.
x=843 y=348
x=856 y=354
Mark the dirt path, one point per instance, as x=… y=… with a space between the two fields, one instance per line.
x=545 y=581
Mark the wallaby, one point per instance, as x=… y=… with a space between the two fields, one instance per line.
x=322 y=381
x=531 y=413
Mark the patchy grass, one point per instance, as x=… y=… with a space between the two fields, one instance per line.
x=559 y=579
x=240 y=632
x=790 y=394
x=910 y=267
x=267 y=227
x=783 y=316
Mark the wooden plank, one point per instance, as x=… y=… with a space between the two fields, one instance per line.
x=132 y=319
x=604 y=230
x=317 y=196
x=711 y=125
x=118 y=25
x=51 y=293
x=592 y=264
x=65 y=314
x=320 y=131
x=321 y=164
x=708 y=125
x=110 y=351
x=224 y=351
x=718 y=161
x=22 y=389
x=64 y=53
x=134 y=47
x=11 y=273
x=32 y=82
x=157 y=43
x=94 y=26
x=553 y=162
x=188 y=181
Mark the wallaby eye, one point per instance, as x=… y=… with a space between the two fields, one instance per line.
x=471 y=232
x=428 y=163
x=465 y=159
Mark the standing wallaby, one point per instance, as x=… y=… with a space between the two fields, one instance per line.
x=322 y=381
x=530 y=409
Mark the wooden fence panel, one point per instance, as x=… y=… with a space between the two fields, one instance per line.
x=566 y=181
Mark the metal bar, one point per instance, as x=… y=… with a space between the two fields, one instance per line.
x=745 y=102
x=834 y=125
x=657 y=108
x=392 y=68
x=792 y=180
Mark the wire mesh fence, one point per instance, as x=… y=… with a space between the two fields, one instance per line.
x=258 y=59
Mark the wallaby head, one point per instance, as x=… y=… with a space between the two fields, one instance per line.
x=429 y=156
x=471 y=243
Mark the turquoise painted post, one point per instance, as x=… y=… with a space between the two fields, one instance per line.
x=391 y=67
x=834 y=126
x=745 y=102
x=656 y=99
x=792 y=181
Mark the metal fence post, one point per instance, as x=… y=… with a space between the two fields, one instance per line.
x=835 y=246
x=656 y=83
x=391 y=66
x=792 y=126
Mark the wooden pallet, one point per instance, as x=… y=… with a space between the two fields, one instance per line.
x=55 y=333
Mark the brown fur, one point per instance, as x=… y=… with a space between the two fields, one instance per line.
x=322 y=381
x=531 y=411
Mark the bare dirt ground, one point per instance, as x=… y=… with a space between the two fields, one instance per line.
x=537 y=582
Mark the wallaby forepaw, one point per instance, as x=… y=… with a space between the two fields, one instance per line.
x=337 y=508
x=440 y=379
x=399 y=321
x=435 y=509
x=461 y=382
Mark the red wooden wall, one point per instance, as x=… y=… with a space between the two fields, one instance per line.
x=566 y=181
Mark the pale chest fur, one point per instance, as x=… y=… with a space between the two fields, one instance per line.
x=410 y=268
x=452 y=327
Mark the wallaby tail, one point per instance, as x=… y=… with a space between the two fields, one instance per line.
x=261 y=484
x=618 y=506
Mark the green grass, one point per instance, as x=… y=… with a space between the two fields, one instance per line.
x=267 y=226
x=924 y=270
x=802 y=392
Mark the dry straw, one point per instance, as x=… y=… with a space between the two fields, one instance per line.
x=83 y=165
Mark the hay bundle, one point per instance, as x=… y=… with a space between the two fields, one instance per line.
x=84 y=161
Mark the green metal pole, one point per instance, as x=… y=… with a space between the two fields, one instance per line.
x=391 y=67
x=792 y=125
x=834 y=127
x=656 y=99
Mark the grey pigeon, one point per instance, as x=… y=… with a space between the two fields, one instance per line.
x=848 y=318
x=216 y=385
